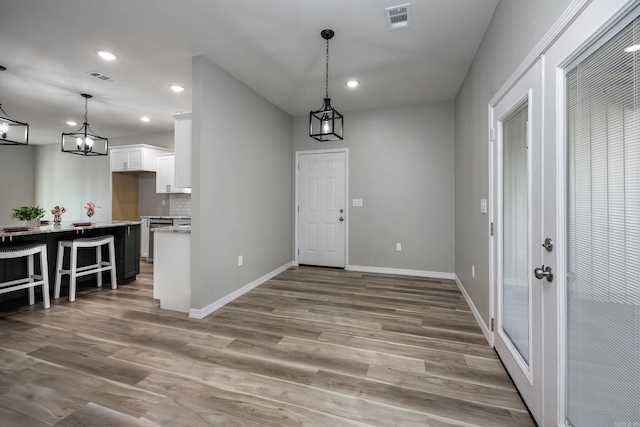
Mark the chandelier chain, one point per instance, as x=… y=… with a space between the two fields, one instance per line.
x=327 y=72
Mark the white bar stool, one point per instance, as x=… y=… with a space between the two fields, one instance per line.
x=74 y=271
x=28 y=249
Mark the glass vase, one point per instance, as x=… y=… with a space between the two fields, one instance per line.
x=32 y=223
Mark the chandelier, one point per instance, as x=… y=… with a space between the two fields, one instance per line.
x=84 y=141
x=326 y=124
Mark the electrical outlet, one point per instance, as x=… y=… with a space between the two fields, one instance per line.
x=473 y=271
x=240 y=260
x=398 y=246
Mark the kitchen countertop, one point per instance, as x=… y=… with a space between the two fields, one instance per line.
x=172 y=229
x=165 y=217
x=64 y=226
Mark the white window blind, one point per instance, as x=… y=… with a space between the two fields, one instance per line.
x=603 y=236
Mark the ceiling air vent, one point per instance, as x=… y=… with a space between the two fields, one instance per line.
x=98 y=75
x=398 y=17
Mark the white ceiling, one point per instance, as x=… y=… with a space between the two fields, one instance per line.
x=273 y=46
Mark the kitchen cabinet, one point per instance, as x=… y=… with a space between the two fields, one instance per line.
x=135 y=158
x=166 y=175
x=172 y=269
x=127 y=245
x=131 y=251
x=182 y=141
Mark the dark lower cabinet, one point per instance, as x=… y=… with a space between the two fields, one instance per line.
x=127 y=245
x=131 y=262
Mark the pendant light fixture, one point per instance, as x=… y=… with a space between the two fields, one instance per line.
x=12 y=132
x=84 y=141
x=326 y=124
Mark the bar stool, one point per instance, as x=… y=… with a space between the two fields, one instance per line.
x=29 y=250
x=74 y=271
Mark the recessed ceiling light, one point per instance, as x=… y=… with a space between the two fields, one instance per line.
x=72 y=123
x=145 y=119
x=632 y=48
x=177 y=88
x=353 y=83
x=107 y=56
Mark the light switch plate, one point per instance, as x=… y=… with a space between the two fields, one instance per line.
x=483 y=206
x=357 y=202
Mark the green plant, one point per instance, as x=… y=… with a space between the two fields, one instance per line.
x=28 y=213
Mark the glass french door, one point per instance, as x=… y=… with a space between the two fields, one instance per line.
x=602 y=221
x=516 y=148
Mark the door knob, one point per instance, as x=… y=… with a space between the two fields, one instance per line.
x=341 y=219
x=542 y=272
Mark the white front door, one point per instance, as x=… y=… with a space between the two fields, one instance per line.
x=322 y=208
x=517 y=242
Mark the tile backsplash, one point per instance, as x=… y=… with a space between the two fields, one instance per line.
x=180 y=205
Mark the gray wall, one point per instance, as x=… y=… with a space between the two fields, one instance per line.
x=149 y=202
x=516 y=28
x=71 y=181
x=401 y=163
x=242 y=180
x=17 y=180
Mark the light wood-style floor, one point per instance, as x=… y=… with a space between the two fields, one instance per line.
x=312 y=347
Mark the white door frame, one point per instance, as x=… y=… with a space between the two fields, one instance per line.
x=346 y=200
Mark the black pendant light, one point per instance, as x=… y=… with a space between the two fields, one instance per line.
x=84 y=141
x=326 y=124
x=12 y=132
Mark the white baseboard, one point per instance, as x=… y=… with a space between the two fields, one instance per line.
x=485 y=330
x=204 y=312
x=402 y=272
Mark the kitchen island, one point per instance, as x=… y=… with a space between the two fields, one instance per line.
x=127 y=244
x=172 y=267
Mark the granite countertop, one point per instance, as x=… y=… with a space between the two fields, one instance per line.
x=64 y=226
x=165 y=216
x=173 y=229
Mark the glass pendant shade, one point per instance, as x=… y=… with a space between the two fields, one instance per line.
x=12 y=132
x=84 y=141
x=326 y=124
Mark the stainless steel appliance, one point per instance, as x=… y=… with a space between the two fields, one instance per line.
x=156 y=223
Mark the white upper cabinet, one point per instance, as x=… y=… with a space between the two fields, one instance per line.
x=183 y=149
x=166 y=175
x=134 y=158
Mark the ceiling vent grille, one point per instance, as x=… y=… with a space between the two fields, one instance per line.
x=98 y=75
x=398 y=17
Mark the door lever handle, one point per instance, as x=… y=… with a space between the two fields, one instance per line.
x=544 y=272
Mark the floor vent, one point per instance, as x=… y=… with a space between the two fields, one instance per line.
x=398 y=17
x=98 y=75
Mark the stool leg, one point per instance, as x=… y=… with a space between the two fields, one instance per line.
x=44 y=267
x=32 y=297
x=60 y=257
x=99 y=264
x=112 y=260
x=72 y=272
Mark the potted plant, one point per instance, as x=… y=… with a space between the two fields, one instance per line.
x=30 y=215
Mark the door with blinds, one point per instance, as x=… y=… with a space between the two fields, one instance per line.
x=602 y=233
